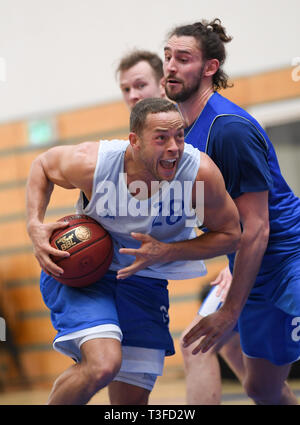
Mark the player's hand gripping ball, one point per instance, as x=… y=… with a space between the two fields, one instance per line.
x=90 y=247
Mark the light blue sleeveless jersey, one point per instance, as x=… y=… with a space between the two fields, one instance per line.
x=166 y=215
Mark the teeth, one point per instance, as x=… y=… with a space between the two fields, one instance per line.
x=168 y=163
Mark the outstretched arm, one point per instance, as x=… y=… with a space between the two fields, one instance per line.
x=69 y=167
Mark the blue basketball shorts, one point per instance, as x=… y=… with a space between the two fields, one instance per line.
x=134 y=309
x=269 y=324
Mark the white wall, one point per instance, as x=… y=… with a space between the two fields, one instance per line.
x=61 y=54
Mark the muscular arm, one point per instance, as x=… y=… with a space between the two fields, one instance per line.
x=220 y=216
x=254 y=213
x=253 y=209
x=69 y=167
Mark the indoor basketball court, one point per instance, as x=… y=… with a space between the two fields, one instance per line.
x=58 y=87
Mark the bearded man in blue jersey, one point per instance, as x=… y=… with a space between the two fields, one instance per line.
x=264 y=297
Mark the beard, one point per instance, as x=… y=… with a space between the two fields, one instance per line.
x=186 y=92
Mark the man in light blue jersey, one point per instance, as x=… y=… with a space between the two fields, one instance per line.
x=140 y=75
x=153 y=242
x=264 y=295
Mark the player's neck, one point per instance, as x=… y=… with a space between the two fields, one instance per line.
x=136 y=172
x=192 y=108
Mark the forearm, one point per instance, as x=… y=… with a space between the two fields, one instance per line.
x=207 y=245
x=246 y=267
x=38 y=193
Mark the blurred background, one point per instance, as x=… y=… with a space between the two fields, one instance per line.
x=58 y=86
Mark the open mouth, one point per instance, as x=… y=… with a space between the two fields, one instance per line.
x=172 y=81
x=168 y=164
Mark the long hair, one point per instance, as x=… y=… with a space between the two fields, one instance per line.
x=211 y=37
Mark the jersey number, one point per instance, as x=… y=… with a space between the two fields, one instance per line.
x=170 y=219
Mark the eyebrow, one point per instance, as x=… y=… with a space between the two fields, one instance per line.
x=137 y=80
x=160 y=129
x=180 y=51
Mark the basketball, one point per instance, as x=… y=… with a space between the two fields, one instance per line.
x=90 y=247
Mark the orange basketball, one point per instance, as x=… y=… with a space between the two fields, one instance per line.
x=91 y=250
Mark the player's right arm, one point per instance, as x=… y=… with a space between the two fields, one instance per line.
x=66 y=166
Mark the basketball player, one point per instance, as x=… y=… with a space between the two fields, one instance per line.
x=140 y=75
x=131 y=302
x=264 y=295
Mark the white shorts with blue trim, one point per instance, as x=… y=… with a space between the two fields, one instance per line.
x=140 y=366
x=211 y=303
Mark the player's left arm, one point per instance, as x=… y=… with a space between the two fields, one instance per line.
x=254 y=213
x=220 y=216
x=245 y=164
x=220 y=213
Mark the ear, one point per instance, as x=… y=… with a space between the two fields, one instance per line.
x=211 y=67
x=134 y=140
x=162 y=84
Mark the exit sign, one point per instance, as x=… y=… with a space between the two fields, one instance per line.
x=41 y=131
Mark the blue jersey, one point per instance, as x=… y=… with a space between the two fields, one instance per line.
x=243 y=152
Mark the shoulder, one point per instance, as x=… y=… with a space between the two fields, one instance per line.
x=84 y=155
x=86 y=149
x=235 y=126
x=235 y=133
x=67 y=155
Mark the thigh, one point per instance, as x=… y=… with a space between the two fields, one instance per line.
x=73 y=309
x=142 y=306
x=78 y=312
x=100 y=352
x=265 y=375
x=268 y=333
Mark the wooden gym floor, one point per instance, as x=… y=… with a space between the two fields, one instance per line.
x=168 y=391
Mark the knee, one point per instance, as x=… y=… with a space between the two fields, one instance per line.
x=186 y=351
x=191 y=359
x=99 y=374
x=262 y=393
